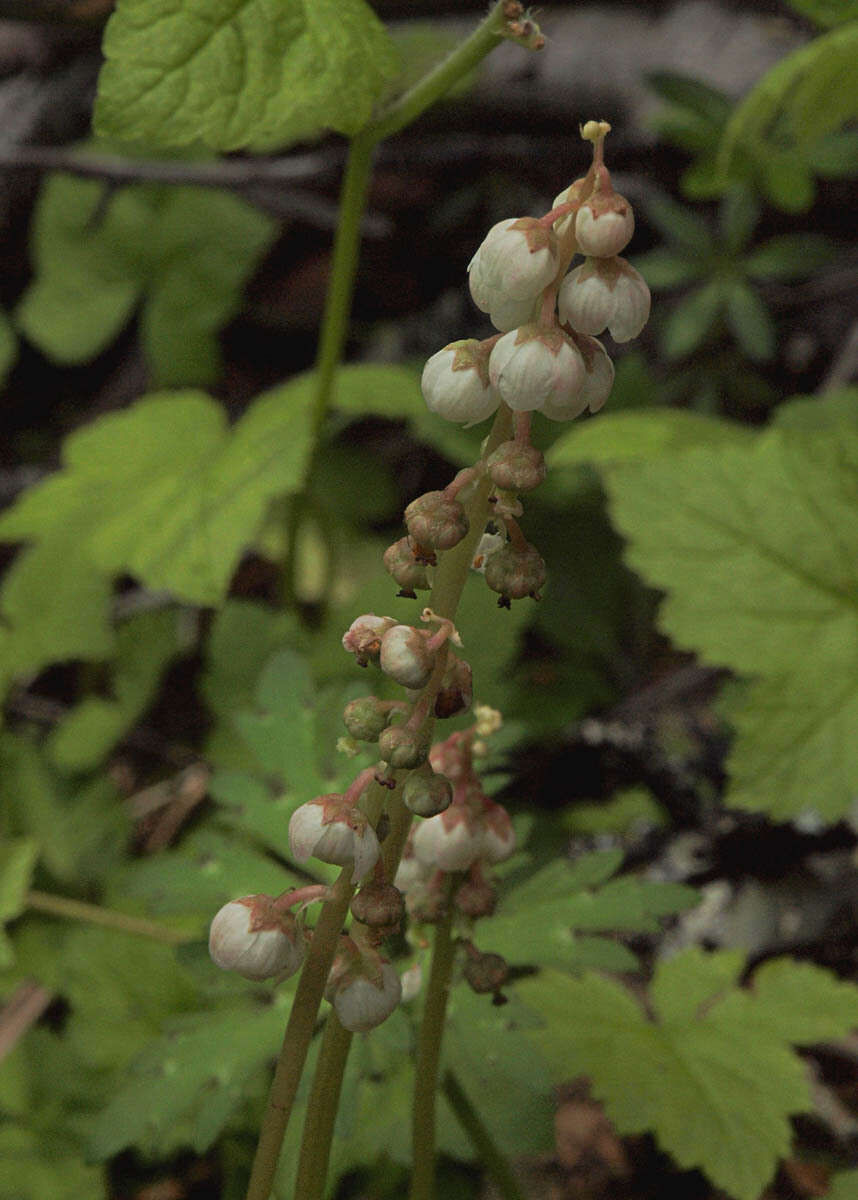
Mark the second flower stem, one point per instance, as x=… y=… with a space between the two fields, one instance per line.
x=322 y=1111
x=429 y=1056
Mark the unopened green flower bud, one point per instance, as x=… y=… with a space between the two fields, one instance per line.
x=515 y=573
x=410 y=574
x=517 y=467
x=426 y=793
x=403 y=748
x=435 y=521
x=366 y=717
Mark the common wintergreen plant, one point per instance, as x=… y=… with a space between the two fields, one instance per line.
x=310 y=864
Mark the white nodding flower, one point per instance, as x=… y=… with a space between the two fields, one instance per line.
x=604 y=225
x=506 y=314
x=406 y=658
x=334 y=832
x=596 y=388
x=515 y=261
x=452 y=841
x=248 y=936
x=456 y=384
x=605 y=293
x=361 y=1004
x=498 y=834
x=535 y=365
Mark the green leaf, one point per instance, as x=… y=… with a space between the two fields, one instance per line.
x=835 y=155
x=844 y=1186
x=17 y=860
x=679 y=226
x=209 y=868
x=713 y=1076
x=186 y=1084
x=183 y=254
x=687 y=92
x=629 y=810
x=54 y=607
x=664 y=269
x=792 y=256
x=808 y=94
x=40 y=1169
x=691 y=320
x=629 y=437
x=557 y=903
x=282 y=733
x=813 y=413
x=81 y=829
x=750 y=321
x=827 y=12
x=145 y=644
x=756 y=548
x=737 y=217
x=231 y=74
x=167 y=492
x=122 y=989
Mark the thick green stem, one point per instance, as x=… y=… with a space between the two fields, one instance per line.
x=299 y=1033
x=429 y=1057
x=408 y=107
x=94 y=914
x=487 y=1150
x=322 y=1111
x=338 y=302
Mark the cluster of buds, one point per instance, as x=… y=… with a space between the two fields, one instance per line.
x=547 y=358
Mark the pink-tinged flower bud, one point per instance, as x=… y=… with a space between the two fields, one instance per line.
x=412 y=982
x=410 y=574
x=406 y=657
x=426 y=793
x=605 y=293
x=451 y=841
x=604 y=224
x=457 y=690
x=378 y=904
x=403 y=749
x=363 y=637
x=410 y=871
x=516 y=573
x=435 y=521
x=516 y=260
x=361 y=1003
x=366 y=717
x=535 y=364
x=327 y=829
x=485 y=973
x=456 y=384
x=251 y=937
x=517 y=467
x=498 y=834
x=598 y=381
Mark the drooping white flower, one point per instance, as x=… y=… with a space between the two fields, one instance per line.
x=327 y=829
x=596 y=388
x=515 y=261
x=455 y=383
x=498 y=834
x=535 y=364
x=604 y=224
x=361 y=1004
x=406 y=657
x=452 y=841
x=605 y=293
x=250 y=937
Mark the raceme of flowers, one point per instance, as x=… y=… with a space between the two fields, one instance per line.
x=545 y=358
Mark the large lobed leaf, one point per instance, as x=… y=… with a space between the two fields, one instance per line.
x=166 y=490
x=180 y=254
x=713 y=1074
x=756 y=546
x=234 y=73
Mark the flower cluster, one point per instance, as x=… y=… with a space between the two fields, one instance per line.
x=547 y=358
